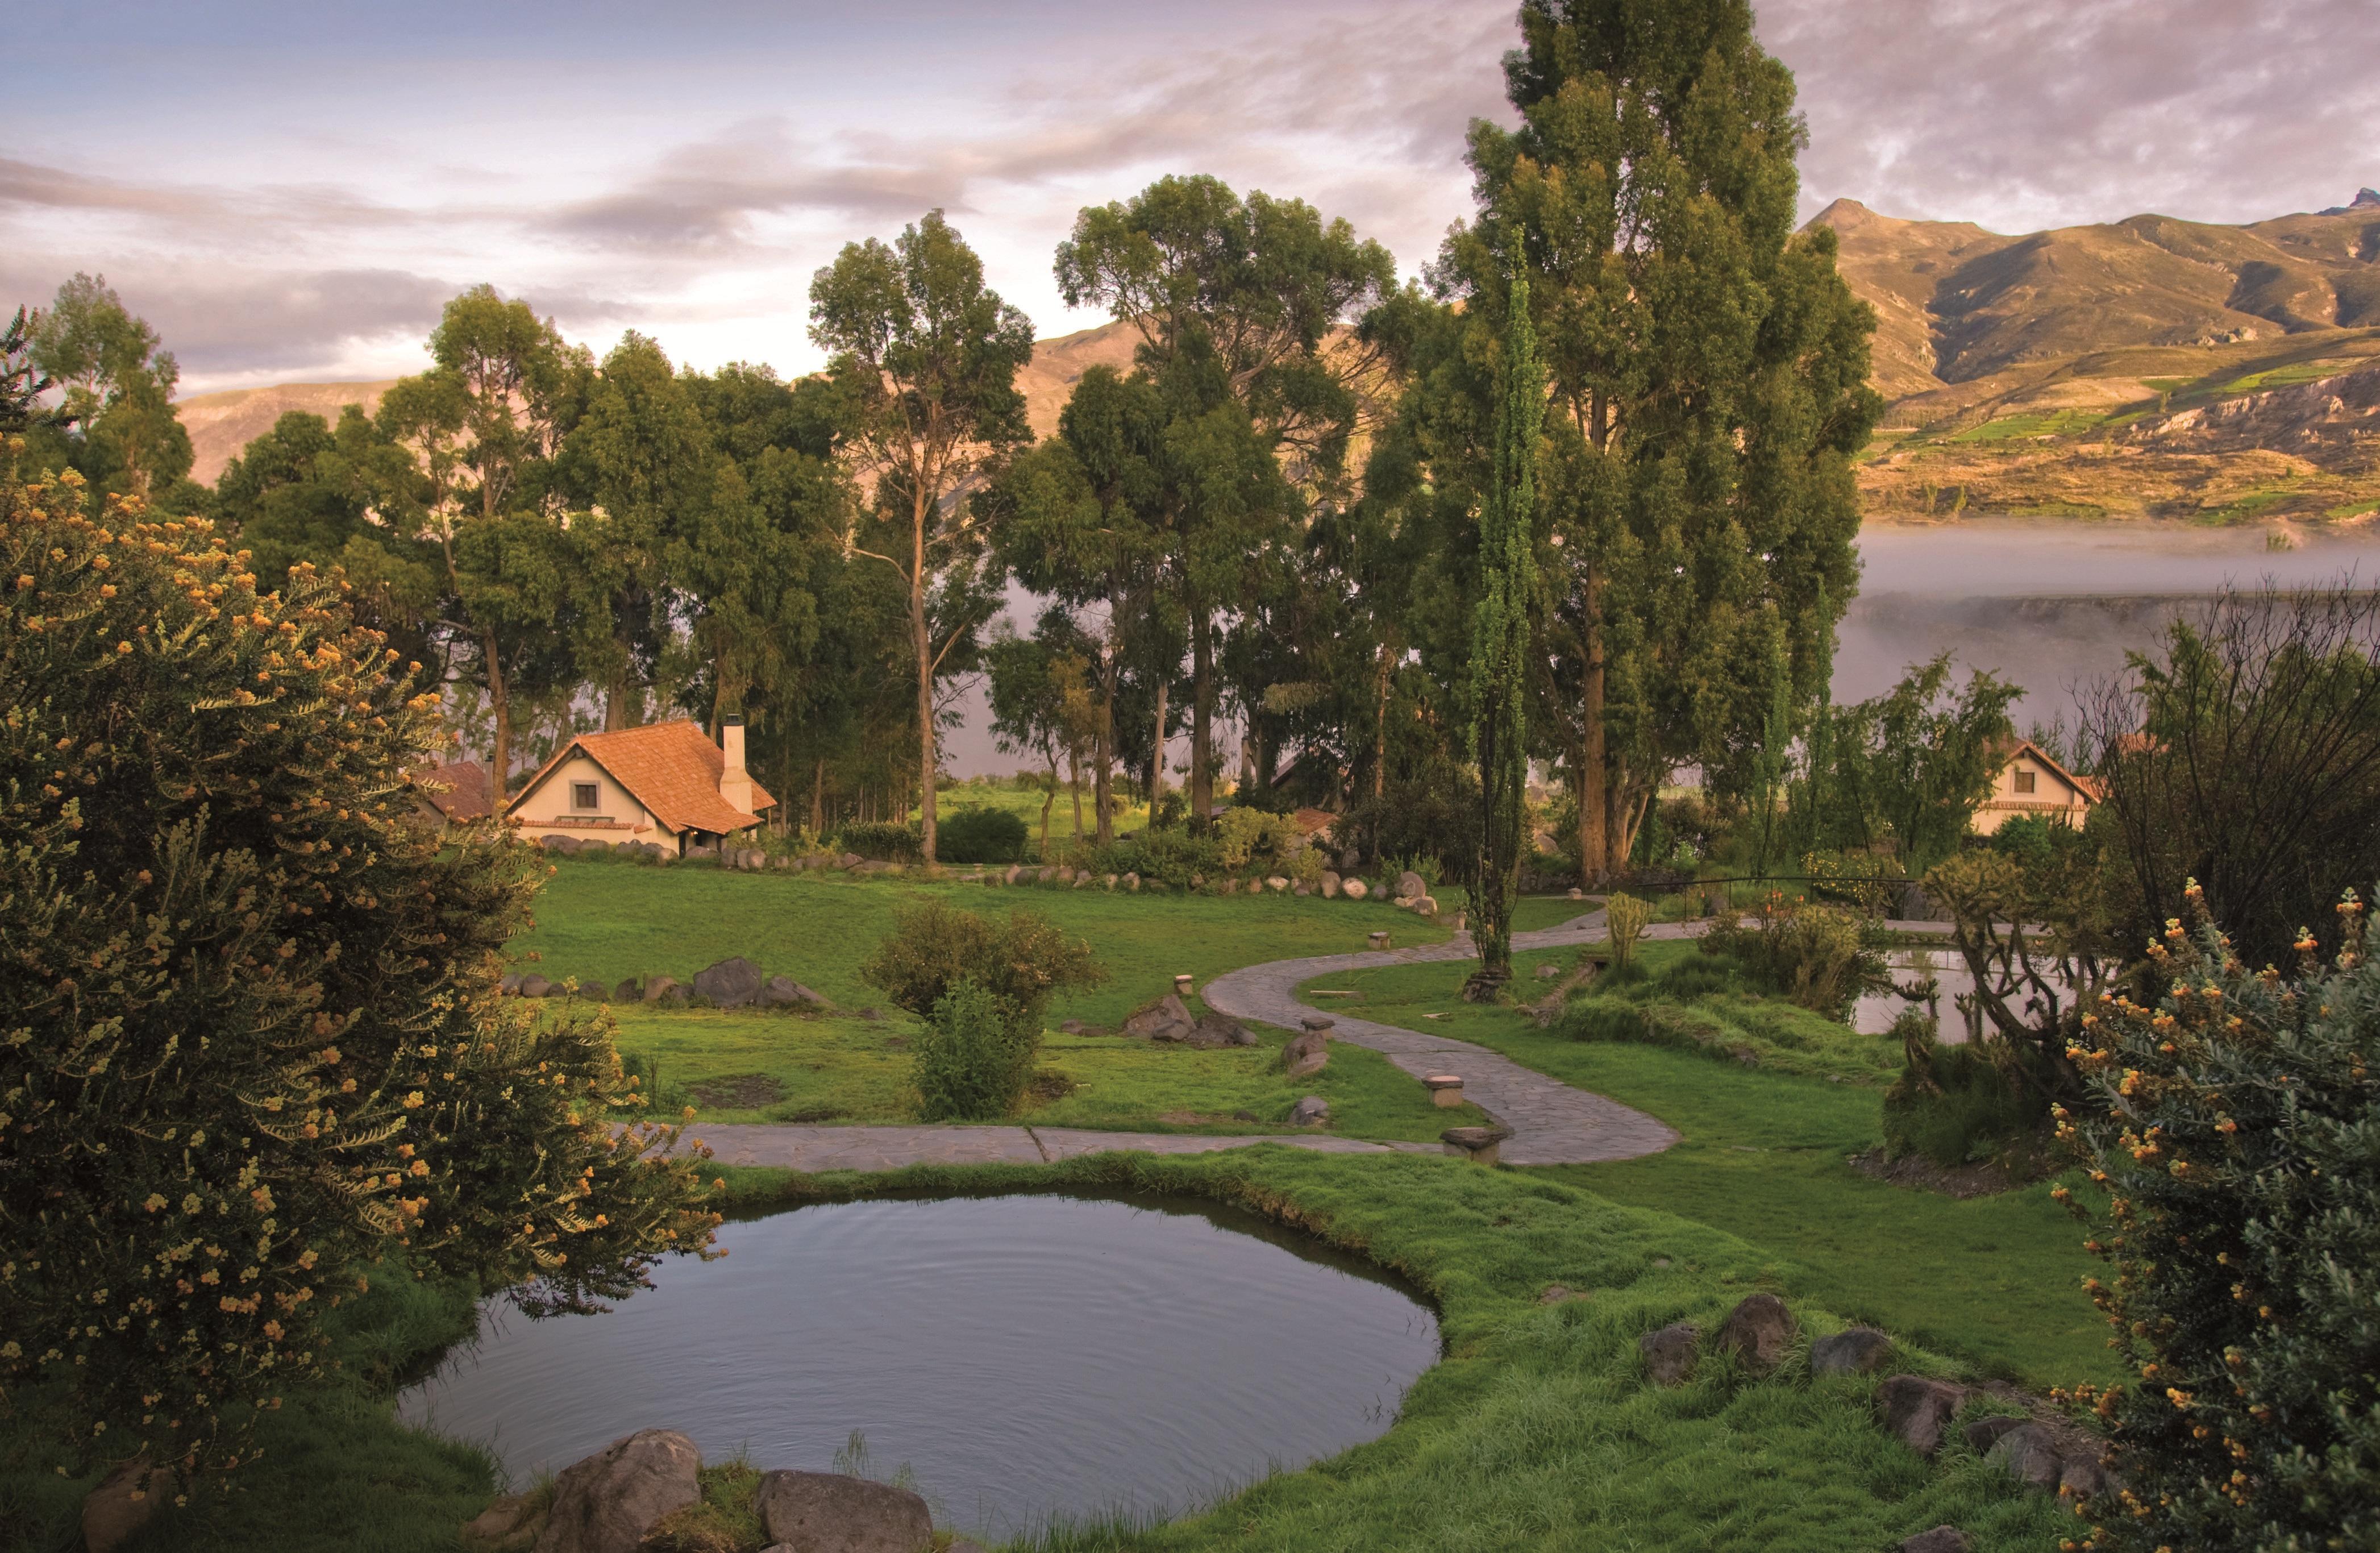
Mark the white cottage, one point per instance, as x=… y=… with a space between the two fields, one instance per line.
x=664 y=782
x=2030 y=782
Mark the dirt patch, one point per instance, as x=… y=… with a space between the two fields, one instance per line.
x=1983 y=1179
x=738 y=1092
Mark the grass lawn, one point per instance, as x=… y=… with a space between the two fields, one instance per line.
x=605 y=920
x=842 y=1068
x=999 y=793
x=1994 y=1280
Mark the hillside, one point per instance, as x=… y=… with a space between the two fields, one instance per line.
x=221 y=424
x=2149 y=367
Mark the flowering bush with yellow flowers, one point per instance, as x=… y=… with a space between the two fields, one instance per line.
x=2236 y=1131
x=249 y=1042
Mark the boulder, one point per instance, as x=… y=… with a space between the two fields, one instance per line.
x=1860 y=1351
x=589 y=987
x=1426 y=906
x=2029 y=1454
x=534 y=985
x=1297 y=887
x=730 y=984
x=1941 y=1539
x=123 y=1503
x=1759 y=1330
x=1010 y=874
x=1165 y=1019
x=851 y=860
x=1312 y=1112
x=1350 y=860
x=1354 y=889
x=1110 y=881
x=1915 y=1410
x=629 y=991
x=1330 y=886
x=830 y=1512
x=1985 y=1432
x=1215 y=1030
x=1275 y=883
x=565 y=845
x=1132 y=882
x=1305 y=1055
x=1071 y=1027
x=1670 y=1354
x=1410 y=885
x=1065 y=876
x=660 y=988
x=1575 y=894
x=784 y=864
x=783 y=992
x=607 y=1503
x=1549 y=970
x=2083 y=1478
x=509 y=984
x=593 y=844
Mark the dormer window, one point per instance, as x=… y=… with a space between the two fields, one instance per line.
x=583 y=796
x=2023 y=780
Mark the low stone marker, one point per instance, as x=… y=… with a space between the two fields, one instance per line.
x=1481 y=1145
x=1445 y=1089
x=1916 y=1409
x=1670 y=1354
x=1859 y=1350
x=1182 y=984
x=1377 y=940
x=1315 y=1022
x=1758 y=1332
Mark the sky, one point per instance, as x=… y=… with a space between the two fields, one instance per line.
x=289 y=192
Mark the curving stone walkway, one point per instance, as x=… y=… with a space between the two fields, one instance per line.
x=1552 y=1122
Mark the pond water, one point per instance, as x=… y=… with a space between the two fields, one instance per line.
x=1874 y=1012
x=1023 y=1356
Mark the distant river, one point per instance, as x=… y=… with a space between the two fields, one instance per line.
x=2054 y=603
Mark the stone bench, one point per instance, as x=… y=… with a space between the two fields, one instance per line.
x=1378 y=940
x=1445 y=1089
x=1316 y=1022
x=1481 y=1145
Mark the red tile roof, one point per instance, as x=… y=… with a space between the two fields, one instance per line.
x=460 y=790
x=672 y=768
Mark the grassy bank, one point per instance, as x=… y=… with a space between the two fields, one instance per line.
x=1994 y=1280
x=1538 y=1430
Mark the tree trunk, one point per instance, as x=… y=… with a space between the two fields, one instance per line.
x=1102 y=782
x=923 y=642
x=1075 y=786
x=500 y=708
x=817 y=800
x=1595 y=858
x=1157 y=754
x=1202 y=721
x=1049 y=801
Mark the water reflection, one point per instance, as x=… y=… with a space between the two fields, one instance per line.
x=1024 y=1354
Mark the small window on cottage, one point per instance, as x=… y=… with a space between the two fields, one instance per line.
x=582 y=794
x=2023 y=780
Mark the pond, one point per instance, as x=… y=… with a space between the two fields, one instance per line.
x=1874 y=1012
x=1024 y=1356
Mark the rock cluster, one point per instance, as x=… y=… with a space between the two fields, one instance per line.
x=1918 y=1410
x=734 y=982
x=1168 y=1020
x=626 y=1493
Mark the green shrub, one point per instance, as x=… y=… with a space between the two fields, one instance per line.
x=884 y=841
x=968 y=1063
x=1692 y=976
x=2237 y=1127
x=981 y=836
x=249 y=1032
x=1959 y=1106
x=1819 y=957
x=935 y=948
x=1169 y=857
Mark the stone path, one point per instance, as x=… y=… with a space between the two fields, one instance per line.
x=1552 y=1122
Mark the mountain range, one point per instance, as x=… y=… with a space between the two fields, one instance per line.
x=2148 y=367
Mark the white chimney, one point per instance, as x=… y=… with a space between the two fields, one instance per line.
x=734 y=782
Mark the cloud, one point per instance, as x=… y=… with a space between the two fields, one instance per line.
x=2024 y=114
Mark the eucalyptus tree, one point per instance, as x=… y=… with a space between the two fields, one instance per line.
x=1088 y=517
x=1243 y=307
x=926 y=357
x=483 y=427
x=1042 y=703
x=1708 y=373
x=116 y=390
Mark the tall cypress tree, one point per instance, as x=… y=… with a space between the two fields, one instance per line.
x=1500 y=641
